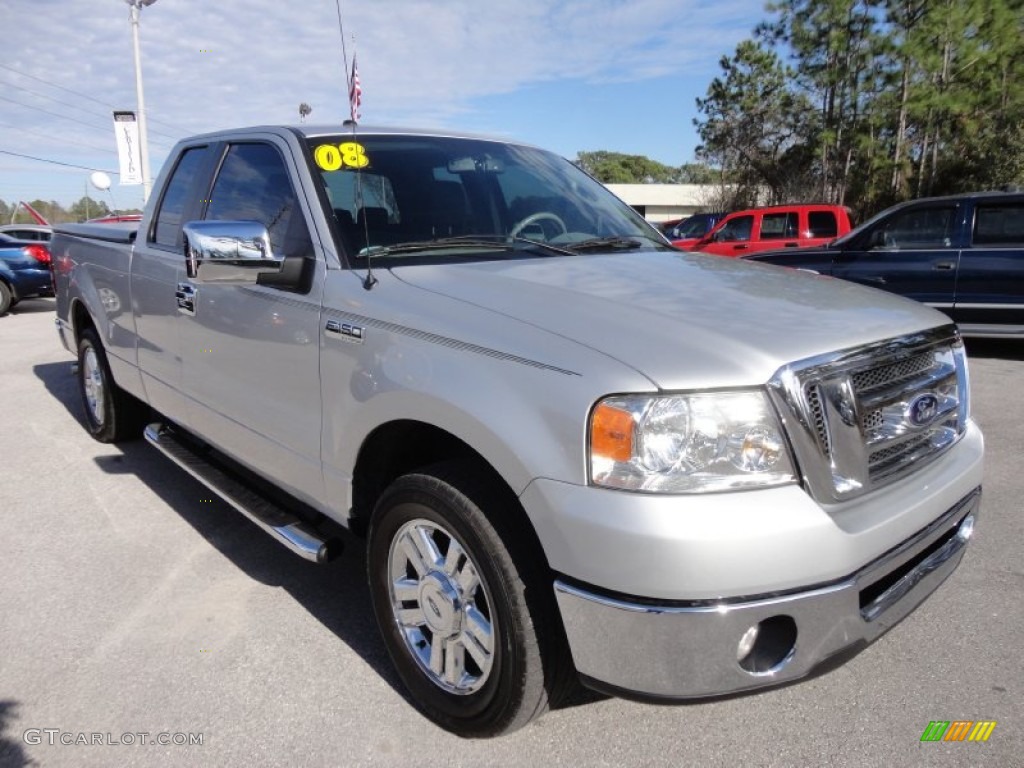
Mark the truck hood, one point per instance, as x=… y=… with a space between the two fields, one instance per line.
x=683 y=320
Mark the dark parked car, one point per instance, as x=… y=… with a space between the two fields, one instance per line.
x=962 y=254
x=24 y=271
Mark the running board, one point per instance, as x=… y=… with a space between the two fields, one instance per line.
x=282 y=525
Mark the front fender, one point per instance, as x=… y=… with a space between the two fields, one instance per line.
x=526 y=421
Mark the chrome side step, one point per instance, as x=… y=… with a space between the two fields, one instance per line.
x=282 y=525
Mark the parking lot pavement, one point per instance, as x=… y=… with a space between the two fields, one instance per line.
x=135 y=606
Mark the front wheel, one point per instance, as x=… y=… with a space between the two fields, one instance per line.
x=476 y=647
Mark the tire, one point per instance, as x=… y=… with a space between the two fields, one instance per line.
x=111 y=414
x=474 y=634
x=6 y=297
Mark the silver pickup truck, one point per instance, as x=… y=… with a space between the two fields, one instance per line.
x=574 y=452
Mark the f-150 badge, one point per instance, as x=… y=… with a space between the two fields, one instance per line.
x=347 y=331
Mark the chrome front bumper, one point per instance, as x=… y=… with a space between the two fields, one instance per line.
x=679 y=650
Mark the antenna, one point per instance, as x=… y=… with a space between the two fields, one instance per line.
x=354 y=93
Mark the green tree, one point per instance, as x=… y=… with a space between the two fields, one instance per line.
x=757 y=128
x=619 y=168
x=87 y=208
x=835 y=45
x=883 y=100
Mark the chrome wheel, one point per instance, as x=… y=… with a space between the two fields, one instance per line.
x=92 y=382
x=442 y=607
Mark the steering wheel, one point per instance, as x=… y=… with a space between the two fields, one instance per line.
x=533 y=218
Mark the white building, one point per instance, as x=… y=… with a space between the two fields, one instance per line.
x=663 y=202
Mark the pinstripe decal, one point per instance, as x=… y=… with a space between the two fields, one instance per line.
x=445 y=341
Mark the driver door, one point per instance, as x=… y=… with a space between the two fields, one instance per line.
x=250 y=352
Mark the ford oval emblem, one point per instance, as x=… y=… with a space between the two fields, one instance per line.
x=922 y=410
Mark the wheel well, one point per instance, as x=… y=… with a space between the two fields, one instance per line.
x=80 y=320
x=400 y=447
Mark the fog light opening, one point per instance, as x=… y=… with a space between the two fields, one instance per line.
x=767 y=646
x=966 y=529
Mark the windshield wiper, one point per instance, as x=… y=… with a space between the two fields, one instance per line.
x=415 y=246
x=493 y=242
x=616 y=243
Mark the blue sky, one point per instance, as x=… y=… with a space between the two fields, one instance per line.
x=568 y=75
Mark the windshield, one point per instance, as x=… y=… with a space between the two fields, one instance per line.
x=695 y=226
x=446 y=199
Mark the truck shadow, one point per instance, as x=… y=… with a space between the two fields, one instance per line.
x=11 y=752
x=335 y=594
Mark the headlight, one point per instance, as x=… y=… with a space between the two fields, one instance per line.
x=687 y=443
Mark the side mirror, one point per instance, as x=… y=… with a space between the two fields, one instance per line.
x=232 y=252
x=239 y=253
x=877 y=239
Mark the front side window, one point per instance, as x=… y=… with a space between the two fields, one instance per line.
x=442 y=198
x=921 y=227
x=253 y=185
x=737 y=229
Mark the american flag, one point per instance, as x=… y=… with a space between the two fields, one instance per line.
x=355 y=92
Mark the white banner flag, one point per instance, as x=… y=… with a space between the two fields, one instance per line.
x=129 y=154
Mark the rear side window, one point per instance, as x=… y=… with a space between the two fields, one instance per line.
x=999 y=224
x=253 y=185
x=778 y=225
x=822 y=224
x=175 y=199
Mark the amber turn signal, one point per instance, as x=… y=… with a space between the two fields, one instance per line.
x=611 y=433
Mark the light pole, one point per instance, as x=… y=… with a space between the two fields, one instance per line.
x=147 y=182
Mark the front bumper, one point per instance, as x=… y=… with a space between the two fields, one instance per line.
x=32 y=282
x=675 y=650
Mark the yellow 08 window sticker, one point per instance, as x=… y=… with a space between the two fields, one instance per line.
x=348 y=154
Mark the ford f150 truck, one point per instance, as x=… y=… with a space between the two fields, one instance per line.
x=574 y=452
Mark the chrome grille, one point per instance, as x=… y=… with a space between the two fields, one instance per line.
x=817 y=415
x=887 y=375
x=865 y=417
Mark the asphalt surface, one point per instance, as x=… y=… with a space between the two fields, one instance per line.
x=132 y=602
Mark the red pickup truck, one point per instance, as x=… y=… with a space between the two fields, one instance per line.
x=771 y=228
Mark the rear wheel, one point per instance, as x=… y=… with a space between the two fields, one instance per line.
x=6 y=297
x=473 y=637
x=111 y=414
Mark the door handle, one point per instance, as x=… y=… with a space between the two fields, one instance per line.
x=185 y=294
x=944 y=265
x=740 y=247
x=792 y=245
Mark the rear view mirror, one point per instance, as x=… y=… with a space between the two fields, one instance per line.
x=484 y=164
